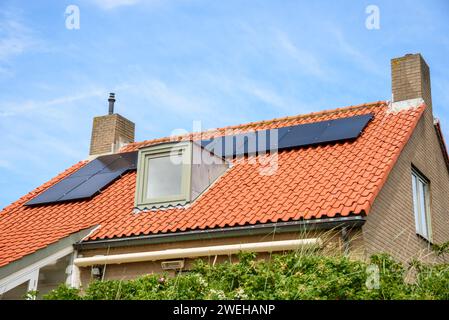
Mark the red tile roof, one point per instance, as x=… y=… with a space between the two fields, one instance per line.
x=313 y=182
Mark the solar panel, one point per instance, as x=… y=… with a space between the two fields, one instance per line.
x=99 y=173
x=288 y=137
x=92 y=186
x=324 y=131
x=301 y=135
x=215 y=146
x=88 y=180
x=345 y=128
x=58 y=190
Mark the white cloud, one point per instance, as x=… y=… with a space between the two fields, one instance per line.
x=20 y=107
x=265 y=95
x=308 y=61
x=164 y=96
x=15 y=37
x=357 y=56
x=234 y=86
x=111 y=4
x=4 y=164
x=37 y=131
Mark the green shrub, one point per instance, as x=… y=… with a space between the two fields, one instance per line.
x=283 y=276
x=63 y=292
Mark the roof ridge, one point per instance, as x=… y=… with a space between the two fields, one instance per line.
x=256 y=123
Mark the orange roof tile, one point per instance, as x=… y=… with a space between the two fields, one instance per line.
x=313 y=182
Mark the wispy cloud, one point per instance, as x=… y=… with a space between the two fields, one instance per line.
x=4 y=164
x=112 y=4
x=265 y=95
x=238 y=86
x=15 y=37
x=354 y=54
x=38 y=130
x=16 y=108
x=164 y=96
x=307 y=60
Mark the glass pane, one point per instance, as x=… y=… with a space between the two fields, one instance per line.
x=17 y=293
x=53 y=274
x=164 y=176
x=422 y=207
x=415 y=202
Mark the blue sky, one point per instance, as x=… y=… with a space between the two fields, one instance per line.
x=173 y=62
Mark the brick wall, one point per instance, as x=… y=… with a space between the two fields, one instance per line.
x=108 y=132
x=390 y=226
x=410 y=78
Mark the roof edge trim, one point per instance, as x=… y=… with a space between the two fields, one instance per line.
x=442 y=142
x=280 y=227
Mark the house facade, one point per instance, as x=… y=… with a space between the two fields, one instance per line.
x=356 y=180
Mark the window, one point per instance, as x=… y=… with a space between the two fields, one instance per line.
x=421 y=206
x=163 y=175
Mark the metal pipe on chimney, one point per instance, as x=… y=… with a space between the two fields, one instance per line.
x=111 y=102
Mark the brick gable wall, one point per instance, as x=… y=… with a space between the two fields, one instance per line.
x=390 y=226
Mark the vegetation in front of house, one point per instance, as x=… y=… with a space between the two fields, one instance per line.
x=284 y=276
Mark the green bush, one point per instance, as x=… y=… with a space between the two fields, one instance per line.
x=63 y=292
x=283 y=276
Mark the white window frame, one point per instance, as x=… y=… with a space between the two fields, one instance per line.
x=31 y=273
x=420 y=192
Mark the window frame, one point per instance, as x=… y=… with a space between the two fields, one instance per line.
x=158 y=151
x=419 y=179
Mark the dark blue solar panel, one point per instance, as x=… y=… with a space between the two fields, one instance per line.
x=94 y=166
x=345 y=129
x=216 y=146
x=92 y=186
x=88 y=180
x=241 y=144
x=288 y=137
x=245 y=143
x=301 y=135
x=58 y=190
x=324 y=131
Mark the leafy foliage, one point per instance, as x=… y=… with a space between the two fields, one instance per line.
x=283 y=276
x=63 y=292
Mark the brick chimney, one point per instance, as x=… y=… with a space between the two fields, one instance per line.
x=410 y=81
x=110 y=132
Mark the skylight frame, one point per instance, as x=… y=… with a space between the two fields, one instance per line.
x=157 y=151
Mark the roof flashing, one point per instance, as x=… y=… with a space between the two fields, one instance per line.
x=398 y=106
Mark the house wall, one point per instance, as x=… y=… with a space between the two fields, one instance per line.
x=331 y=238
x=390 y=226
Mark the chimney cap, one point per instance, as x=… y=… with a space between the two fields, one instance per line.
x=111 y=100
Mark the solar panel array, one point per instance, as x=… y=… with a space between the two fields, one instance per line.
x=99 y=173
x=89 y=179
x=288 y=137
